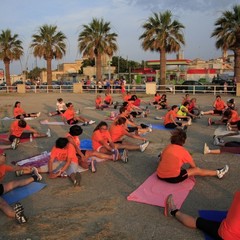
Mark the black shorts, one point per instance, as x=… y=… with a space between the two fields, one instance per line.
x=172 y=125
x=118 y=142
x=180 y=178
x=24 y=135
x=217 y=112
x=132 y=129
x=209 y=227
x=1 y=189
x=72 y=121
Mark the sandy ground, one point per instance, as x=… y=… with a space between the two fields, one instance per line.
x=99 y=209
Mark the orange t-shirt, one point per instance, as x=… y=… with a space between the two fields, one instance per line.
x=18 y=111
x=3 y=169
x=117 y=132
x=98 y=102
x=172 y=159
x=229 y=228
x=61 y=154
x=74 y=138
x=100 y=136
x=69 y=114
x=168 y=119
x=235 y=116
x=126 y=98
x=219 y=105
x=108 y=99
x=16 y=130
x=157 y=98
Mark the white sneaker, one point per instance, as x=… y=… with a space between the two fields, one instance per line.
x=38 y=114
x=15 y=143
x=229 y=128
x=216 y=140
x=35 y=174
x=91 y=122
x=206 y=149
x=144 y=146
x=48 y=132
x=50 y=115
x=201 y=113
x=190 y=122
x=124 y=156
x=221 y=172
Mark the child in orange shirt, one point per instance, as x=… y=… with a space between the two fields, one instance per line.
x=99 y=104
x=18 y=112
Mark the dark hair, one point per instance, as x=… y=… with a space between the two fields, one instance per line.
x=68 y=104
x=101 y=124
x=61 y=142
x=178 y=137
x=122 y=109
x=59 y=99
x=174 y=106
x=133 y=98
x=227 y=113
x=75 y=130
x=185 y=103
x=120 y=121
x=125 y=104
x=16 y=103
x=218 y=96
x=22 y=123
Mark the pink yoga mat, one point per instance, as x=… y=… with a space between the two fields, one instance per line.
x=155 y=191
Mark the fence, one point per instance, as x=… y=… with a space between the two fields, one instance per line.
x=170 y=89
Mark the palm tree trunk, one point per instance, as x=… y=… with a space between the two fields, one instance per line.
x=49 y=71
x=7 y=72
x=237 y=69
x=98 y=67
x=162 y=67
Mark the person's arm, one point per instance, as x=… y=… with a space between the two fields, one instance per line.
x=78 y=150
x=50 y=169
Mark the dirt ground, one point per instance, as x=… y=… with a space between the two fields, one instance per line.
x=99 y=208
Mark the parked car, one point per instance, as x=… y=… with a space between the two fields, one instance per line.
x=190 y=86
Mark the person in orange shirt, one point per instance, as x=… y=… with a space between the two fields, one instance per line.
x=18 y=112
x=127 y=97
x=73 y=137
x=71 y=118
x=157 y=98
x=18 y=131
x=118 y=130
x=63 y=160
x=174 y=156
x=16 y=211
x=102 y=141
x=170 y=120
x=227 y=229
x=108 y=100
x=219 y=107
x=99 y=103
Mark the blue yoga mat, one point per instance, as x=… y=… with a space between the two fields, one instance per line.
x=213 y=216
x=159 y=127
x=86 y=144
x=22 y=192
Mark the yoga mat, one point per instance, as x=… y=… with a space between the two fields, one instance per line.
x=11 y=119
x=159 y=127
x=212 y=215
x=22 y=192
x=86 y=144
x=46 y=122
x=5 y=136
x=155 y=191
x=221 y=130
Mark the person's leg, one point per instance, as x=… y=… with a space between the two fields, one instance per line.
x=17 y=183
x=6 y=208
x=99 y=155
x=127 y=146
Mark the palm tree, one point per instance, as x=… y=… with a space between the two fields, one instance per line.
x=163 y=35
x=227 y=32
x=10 y=49
x=96 y=40
x=49 y=44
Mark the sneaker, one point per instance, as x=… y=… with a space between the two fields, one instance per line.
x=190 y=122
x=229 y=127
x=50 y=115
x=91 y=122
x=216 y=141
x=144 y=146
x=201 y=113
x=169 y=206
x=77 y=181
x=35 y=174
x=209 y=121
x=38 y=114
x=48 y=133
x=158 y=118
x=206 y=149
x=19 y=173
x=221 y=172
x=115 y=155
x=15 y=143
x=124 y=156
x=150 y=128
x=19 y=213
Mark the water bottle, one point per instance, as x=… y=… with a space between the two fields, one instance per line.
x=31 y=138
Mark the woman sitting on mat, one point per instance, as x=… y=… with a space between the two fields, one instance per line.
x=60 y=108
x=18 y=112
x=174 y=156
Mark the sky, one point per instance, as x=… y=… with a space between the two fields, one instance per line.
x=126 y=18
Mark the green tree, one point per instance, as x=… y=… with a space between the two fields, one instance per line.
x=163 y=35
x=227 y=32
x=95 y=40
x=35 y=73
x=10 y=49
x=49 y=44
